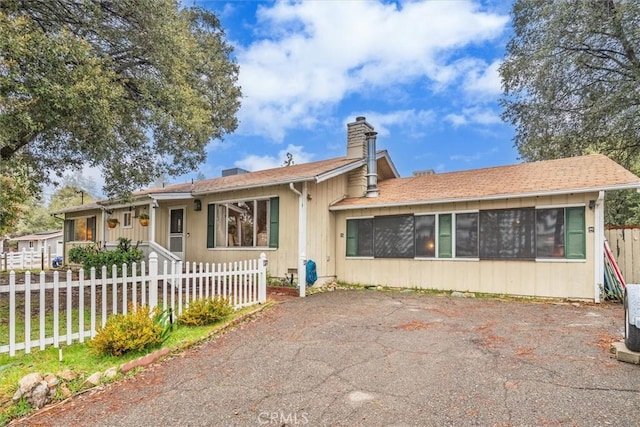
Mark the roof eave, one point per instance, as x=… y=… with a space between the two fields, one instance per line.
x=385 y=154
x=250 y=186
x=340 y=170
x=485 y=198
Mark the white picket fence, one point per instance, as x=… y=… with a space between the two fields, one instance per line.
x=243 y=283
x=26 y=260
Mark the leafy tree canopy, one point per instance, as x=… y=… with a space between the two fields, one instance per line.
x=136 y=87
x=571 y=81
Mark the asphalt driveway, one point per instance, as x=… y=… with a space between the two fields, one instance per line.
x=385 y=358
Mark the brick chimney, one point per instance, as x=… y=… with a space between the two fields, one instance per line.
x=360 y=140
x=356 y=139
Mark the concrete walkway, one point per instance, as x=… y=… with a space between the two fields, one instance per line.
x=385 y=358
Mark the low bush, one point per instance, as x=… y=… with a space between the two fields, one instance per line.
x=95 y=257
x=141 y=328
x=205 y=311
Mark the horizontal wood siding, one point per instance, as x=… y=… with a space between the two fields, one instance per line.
x=557 y=278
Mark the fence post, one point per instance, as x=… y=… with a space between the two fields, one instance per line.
x=153 y=280
x=262 y=278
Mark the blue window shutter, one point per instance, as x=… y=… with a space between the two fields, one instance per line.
x=274 y=221
x=575 y=229
x=211 y=225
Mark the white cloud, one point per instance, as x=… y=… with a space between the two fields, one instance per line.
x=253 y=162
x=408 y=119
x=311 y=55
x=484 y=80
x=474 y=115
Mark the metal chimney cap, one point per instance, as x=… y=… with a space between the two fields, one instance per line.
x=361 y=119
x=371 y=134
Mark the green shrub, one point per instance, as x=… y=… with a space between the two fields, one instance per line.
x=141 y=328
x=205 y=311
x=95 y=257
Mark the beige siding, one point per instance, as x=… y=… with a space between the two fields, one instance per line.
x=357 y=182
x=135 y=232
x=557 y=278
x=99 y=230
x=321 y=246
x=280 y=260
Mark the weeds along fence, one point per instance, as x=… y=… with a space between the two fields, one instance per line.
x=37 y=311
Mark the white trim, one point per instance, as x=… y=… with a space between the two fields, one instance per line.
x=339 y=171
x=170 y=196
x=244 y=199
x=561 y=260
x=283 y=181
x=565 y=205
x=598 y=243
x=359 y=217
x=130 y=219
x=480 y=199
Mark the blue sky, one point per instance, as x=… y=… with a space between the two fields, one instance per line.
x=423 y=73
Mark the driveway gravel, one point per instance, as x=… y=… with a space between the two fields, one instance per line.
x=364 y=357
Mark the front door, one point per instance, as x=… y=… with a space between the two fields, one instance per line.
x=176 y=232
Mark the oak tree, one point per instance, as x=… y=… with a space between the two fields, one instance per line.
x=571 y=81
x=136 y=87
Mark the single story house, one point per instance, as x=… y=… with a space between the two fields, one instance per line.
x=47 y=241
x=532 y=229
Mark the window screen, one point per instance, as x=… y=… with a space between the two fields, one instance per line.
x=393 y=236
x=467 y=235
x=507 y=233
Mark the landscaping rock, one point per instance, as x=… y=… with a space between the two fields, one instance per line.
x=26 y=384
x=111 y=372
x=40 y=395
x=67 y=375
x=52 y=380
x=34 y=389
x=94 y=379
x=65 y=390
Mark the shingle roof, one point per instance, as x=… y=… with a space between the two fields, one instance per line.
x=293 y=173
x=570 y=175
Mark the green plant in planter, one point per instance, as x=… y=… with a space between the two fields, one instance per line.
x=112 y=222
x=144 y=219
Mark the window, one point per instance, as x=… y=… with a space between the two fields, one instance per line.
x=507 y=233
x=126 y=220
x=80 y=229
x=393 y=237
x=467 y=235
x=249 y=223
x=560 y=233
x=425 y=236
x=360 y=237
x=524 y=233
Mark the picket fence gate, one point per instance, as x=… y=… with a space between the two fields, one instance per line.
x=242 y=282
